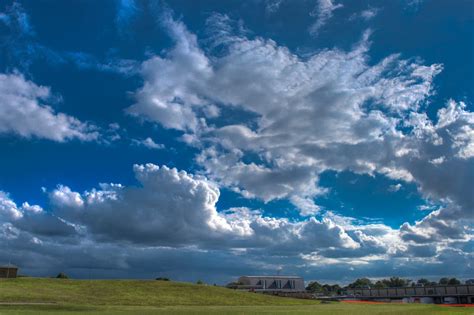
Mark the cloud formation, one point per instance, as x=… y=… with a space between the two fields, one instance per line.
x=332 y=110
x=323 y=12
x=265 y=122
x=171 y=212
x=148 y=143
x=23 y=113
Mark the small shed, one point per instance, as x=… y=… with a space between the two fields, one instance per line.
x=8 y=271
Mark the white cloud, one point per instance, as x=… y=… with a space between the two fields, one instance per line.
x=168 y=96
x=329 y=111
x=369 y=13
x=272 y=6
x=64 y=197
x=8 y=208
x=395 y=188
x=23 y=113
x=148 y=143
x=175 y=212
x=334 y=110
x=440 y=226
x=323 y=12
x=459 y=123
x=175 y=208
x=438 y=160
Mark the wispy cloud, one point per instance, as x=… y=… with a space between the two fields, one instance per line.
x=272 y=6
x=366 y=14
x=323 y=12
x=16 y=18
x=395 y=188
x=148 y=143
x=126 y=10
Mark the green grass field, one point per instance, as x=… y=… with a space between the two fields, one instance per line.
x=59 y=296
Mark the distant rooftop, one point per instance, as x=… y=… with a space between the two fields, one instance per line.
x=273 y=277
x=8 y=266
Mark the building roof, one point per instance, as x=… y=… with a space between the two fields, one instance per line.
x=284 y=277
x=9 y=266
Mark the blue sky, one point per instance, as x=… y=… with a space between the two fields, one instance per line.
x=332 y=139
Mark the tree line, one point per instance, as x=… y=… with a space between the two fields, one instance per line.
x=366 y=283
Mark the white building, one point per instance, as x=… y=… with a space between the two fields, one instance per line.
x=271 y=283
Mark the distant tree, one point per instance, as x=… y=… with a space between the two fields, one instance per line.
x=380 y=284
x=361 y=283
x=443 y=281
x=396 y=282
x=163 y=279
x=454 y=281
x=314 y=287
x=325 y=289
x=425 y=282
x=62 y=275
x=200 y=282
x=329 y=289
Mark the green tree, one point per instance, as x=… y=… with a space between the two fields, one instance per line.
x=380 y=284
x=444 y=281
x=426 y=282
x=423 y=281
x=329 y=289
x=396 y=282
x=326 y=289
x=454 y=281
x=361 y=283
x=314 y=287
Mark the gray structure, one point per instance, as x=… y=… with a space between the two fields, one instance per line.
x=8 y=271
x=270 y=284
x=427 y=294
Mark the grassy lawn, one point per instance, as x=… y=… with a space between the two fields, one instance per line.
x=152 y=297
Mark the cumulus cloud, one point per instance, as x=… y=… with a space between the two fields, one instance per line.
x=23 y=113
x=171 y=213
x=332 y=110
x=30 y=218
x=174 y=208
x=296 y=118
x=166 y=96
x=171 y=208
x=443 y=225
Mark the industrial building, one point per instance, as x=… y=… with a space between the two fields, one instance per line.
x=427 y=294
x=8 y=271
x=270 y=284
